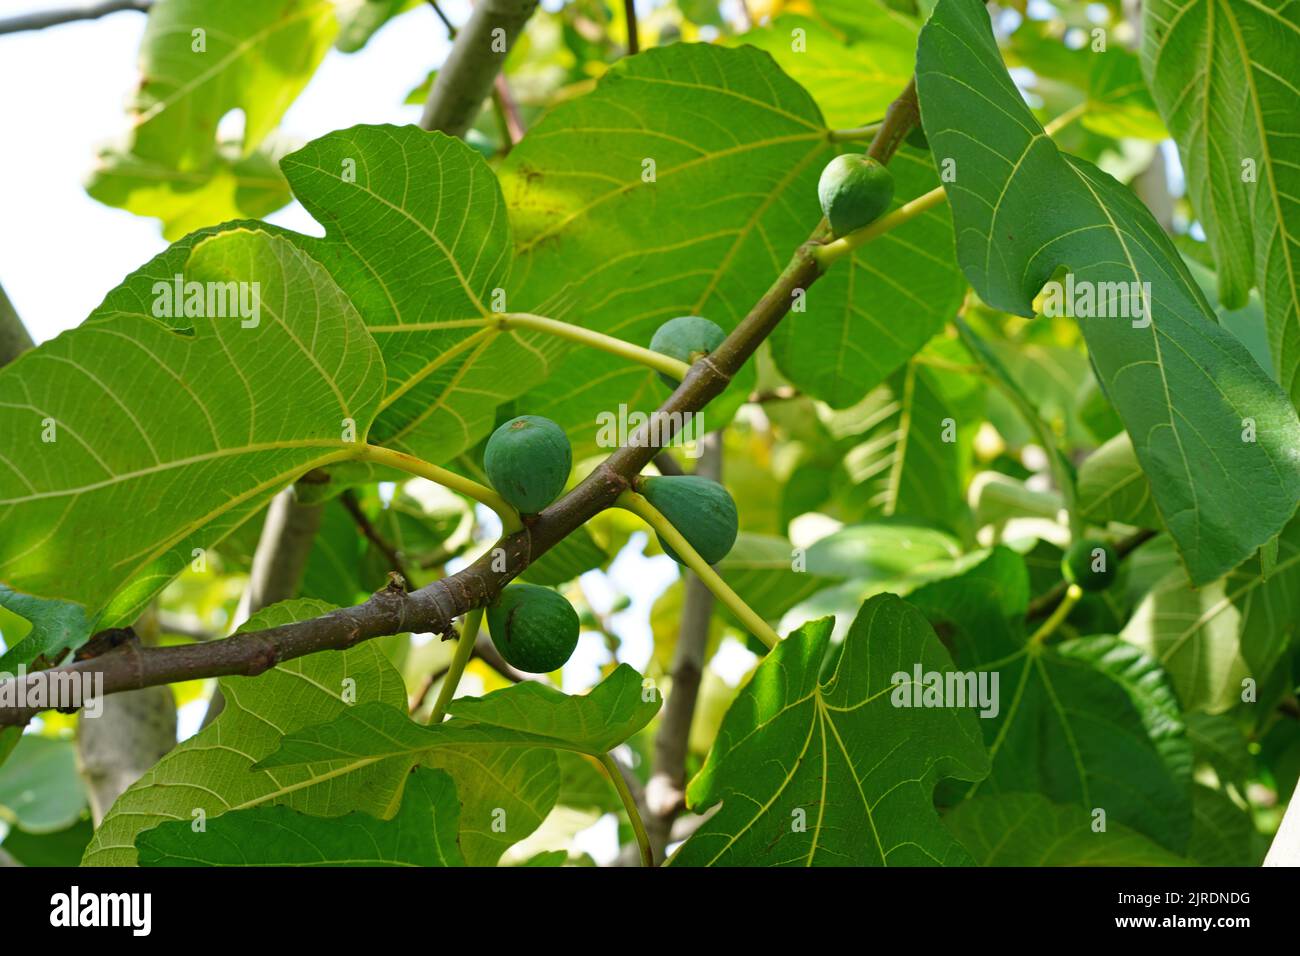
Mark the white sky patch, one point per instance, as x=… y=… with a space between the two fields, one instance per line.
x=61 y=252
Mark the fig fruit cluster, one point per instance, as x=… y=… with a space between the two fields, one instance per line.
x=528 y=460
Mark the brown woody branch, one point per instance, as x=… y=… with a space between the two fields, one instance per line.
x=432 y=608
x=665 y=793
x=477 y=56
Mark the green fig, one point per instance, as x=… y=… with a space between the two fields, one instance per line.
x=528 y=460
x=700 y=509
x=533 y=627
x=1090 y=563
x=686 y=338
x=854 y=191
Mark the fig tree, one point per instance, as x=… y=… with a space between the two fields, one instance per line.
x=854 y=190
x=700 y=509
x=528 y=461
x=686 y=338
x=1090 y=563
x=533 y=627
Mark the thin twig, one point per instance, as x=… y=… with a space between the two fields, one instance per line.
x=633 y=39
x=782 y=393
x=446 y=22
x=507 y=110
x=85 y=11
x=364 y=525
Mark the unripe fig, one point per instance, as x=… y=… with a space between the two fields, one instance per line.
x=686 y=338
x=528 y=461
x=533 y=627
x=1090 y=563
x=700 y=509
x=854 y=190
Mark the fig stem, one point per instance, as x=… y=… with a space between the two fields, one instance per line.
x=643 y=509
x=855 y=133
x=1048 y=628
x=629 y=804
x=484 y=495
x=834 y=251
x=598 y=340
x=464 y=651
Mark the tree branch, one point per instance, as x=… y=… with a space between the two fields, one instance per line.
x=667 y=465
x=85 y=11
x=279 y=560
x=512 y=122
x=433 y=608
x=665 y=794
x=477 y=54
x=633 y=38
x=14 y=337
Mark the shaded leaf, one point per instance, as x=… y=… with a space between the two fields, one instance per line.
x=760 y=569
x=915 y=459
x=1077 y=721
x=1222 y=832
x=1211 y=638
x=836 y=754
x=421 y=833
x=40 y=790
x=1113 y=487
x=499 y=749
x=60 y=848
x=529 y=712
x=214 y=770
x=1027 y=829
